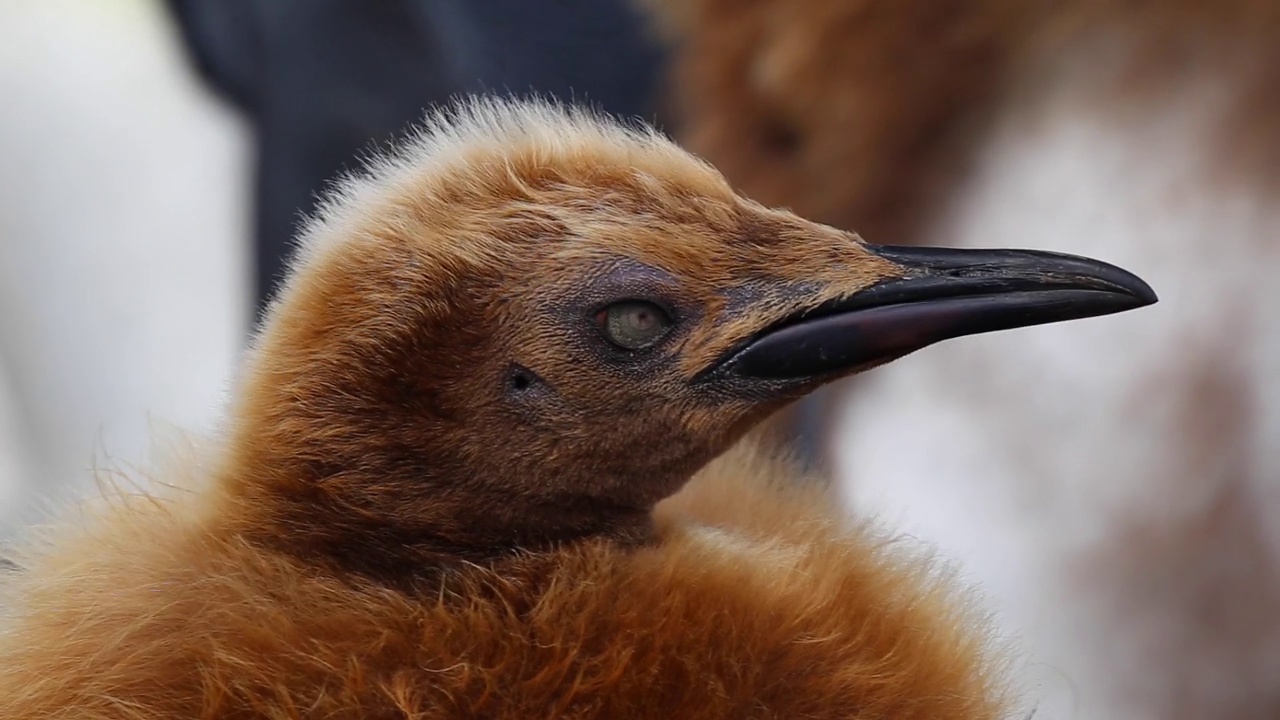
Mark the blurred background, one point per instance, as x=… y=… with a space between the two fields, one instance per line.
x=1110 y=488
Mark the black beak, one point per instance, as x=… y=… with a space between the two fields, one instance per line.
x=941 y=294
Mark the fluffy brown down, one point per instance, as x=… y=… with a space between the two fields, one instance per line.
x=388 y=530
x=754 y=598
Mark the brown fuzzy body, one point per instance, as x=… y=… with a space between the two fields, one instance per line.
x=753 y=603
x=438 y=495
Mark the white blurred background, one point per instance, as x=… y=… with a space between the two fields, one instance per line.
x=124 y=243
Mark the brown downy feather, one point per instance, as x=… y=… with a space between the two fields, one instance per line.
x=393 y=528
x=755 y=594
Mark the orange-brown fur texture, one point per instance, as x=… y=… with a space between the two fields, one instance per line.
x=385 y=532
x=148 y=615
x=860 y=113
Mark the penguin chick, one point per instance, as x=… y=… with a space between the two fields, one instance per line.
x=497 y=352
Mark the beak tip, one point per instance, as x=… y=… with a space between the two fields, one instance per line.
x=1137 y=288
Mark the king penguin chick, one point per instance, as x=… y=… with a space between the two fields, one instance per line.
x=499 y=350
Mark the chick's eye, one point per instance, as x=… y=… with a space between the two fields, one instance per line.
x=633 y=324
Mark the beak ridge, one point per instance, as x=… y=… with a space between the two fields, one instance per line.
x=942 y=293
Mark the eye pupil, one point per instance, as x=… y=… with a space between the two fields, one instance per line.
x=634 y=324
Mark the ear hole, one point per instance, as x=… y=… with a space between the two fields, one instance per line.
x=520 y=378
x=528 y=398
